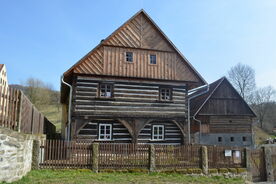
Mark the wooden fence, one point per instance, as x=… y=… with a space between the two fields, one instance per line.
x=79 y=154
x=19 y=114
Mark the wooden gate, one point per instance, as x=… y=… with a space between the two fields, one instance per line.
x=258 y=165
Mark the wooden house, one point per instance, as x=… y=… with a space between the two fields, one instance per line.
x=132 y=87
x=220 y=116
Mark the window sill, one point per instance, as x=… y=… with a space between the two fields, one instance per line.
x=105 y=98
x=160 y=101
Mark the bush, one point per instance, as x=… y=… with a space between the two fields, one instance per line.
x=108 y=170
x=181 y=171
x=138 y=170
x=169 y=171
x=233 y=170
x=212 y=171
x=223 y=170
x=241 y=170
x=194 y=171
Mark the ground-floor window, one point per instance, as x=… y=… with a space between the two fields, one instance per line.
x=158 y=132
x=105 y=131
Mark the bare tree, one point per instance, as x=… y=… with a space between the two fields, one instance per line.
x=242 y=78
x=262 y=101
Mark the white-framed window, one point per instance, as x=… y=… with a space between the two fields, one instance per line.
x=106 y=90
x=129 y=56
x=153 y=59
x=165 y=94
x=158 y=132
x=105 y=131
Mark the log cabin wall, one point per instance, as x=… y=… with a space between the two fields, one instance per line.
x=172 y=134
x=130 y=99
x=89 y=131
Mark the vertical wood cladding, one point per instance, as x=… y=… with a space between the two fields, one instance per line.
x=130 y=99
x=225 y=101
x=90 y=131
x=168 y=64
x=172 y=133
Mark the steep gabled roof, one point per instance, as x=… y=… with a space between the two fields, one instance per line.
x=199 y=98
x=95 y=54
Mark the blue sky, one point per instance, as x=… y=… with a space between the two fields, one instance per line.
x=42 y=39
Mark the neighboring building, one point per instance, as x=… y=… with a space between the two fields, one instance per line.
x=132 y=87
x=4 y=86
x=225 y=118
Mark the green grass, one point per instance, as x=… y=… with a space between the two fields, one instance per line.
x=53 y=114
x=86 y=176
x=260 y=135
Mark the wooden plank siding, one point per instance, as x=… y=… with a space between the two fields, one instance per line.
x=230 y=124
x=172 y=134
x=130 y=99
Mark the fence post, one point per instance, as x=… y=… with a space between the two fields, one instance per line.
x=95 y=157
x=268 y=164
x=35 y=154
x=152 y=158
x=204 y=158
x=248 y=163
x=20 y=111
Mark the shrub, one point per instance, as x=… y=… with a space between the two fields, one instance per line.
x=169 y=171
x=241 y=170
x=122 y=171
x=212 y=171
x=233 y=170
x=84 y=170
x=137 y=170
x=108 y=170
x=194 y=171
x=223 y=170
x=181 y=171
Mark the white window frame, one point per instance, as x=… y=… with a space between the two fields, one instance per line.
x=159 y=137
x=106 y=93
x=167 y=94
x=104 y=125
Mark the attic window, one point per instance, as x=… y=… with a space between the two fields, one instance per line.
x=153 y=59
x=129 y=56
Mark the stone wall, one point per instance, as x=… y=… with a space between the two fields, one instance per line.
x=15 y=154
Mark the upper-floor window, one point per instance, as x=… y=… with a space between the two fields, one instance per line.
x=106 y=90
x=165 y=94
x=129 y=56
x=158 y=132
x=153 y=59
x=105 y=131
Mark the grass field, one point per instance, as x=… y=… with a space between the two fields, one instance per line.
x=86 y=177
x=53 y=113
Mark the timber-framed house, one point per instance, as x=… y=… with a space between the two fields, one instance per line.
x=131 y=88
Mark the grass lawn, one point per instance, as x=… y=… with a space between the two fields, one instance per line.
x=86 y=176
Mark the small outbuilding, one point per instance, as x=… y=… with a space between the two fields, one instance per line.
x=220 y=116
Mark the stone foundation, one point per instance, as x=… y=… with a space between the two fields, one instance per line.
x=16 y=151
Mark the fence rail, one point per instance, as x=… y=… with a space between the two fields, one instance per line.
x=19 y=114
x=79 y=154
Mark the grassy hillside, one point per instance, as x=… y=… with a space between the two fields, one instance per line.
x=53 y=113
x=260 y=135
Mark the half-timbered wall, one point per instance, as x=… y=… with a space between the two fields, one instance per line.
x=172 y=135
x=90 y=131
x=130 y=99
